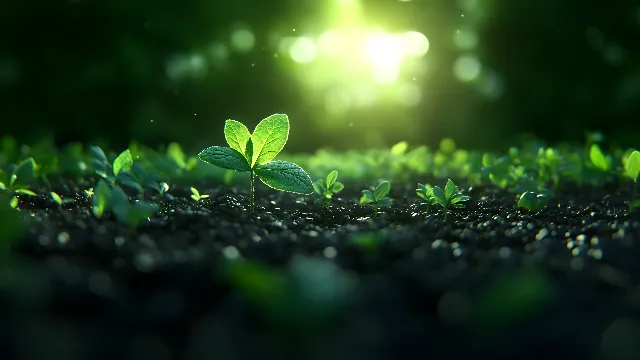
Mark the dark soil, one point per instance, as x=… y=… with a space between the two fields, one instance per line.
x=490 y=282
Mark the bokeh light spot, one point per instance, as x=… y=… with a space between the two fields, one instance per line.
x=415 y=44
x=303 y=50
x=465 y=38
x=385 y=54
x=467 y=68
x=242 y=39
x=409 y=94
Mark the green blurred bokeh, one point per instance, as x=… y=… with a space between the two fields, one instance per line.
x=349 y=73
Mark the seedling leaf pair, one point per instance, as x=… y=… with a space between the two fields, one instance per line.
x=532 y=201
x=327 y=188
x=255 y=152
x=598 y=158
x=378 y=197
x=449 y=198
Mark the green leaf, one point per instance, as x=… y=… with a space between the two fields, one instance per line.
x=634 y=205
x=120 y=204
x=381 y=190
x=331 y=178
x=138 y=212
x=26 y=170
x=439 y=195
x=285 y=176
x=174 y=151
x=367 y=197
x=399 y=148
x=384 y=202
x=224 y=157
x=100 y=199
x=598 y=159
x=633 y=165
x=13 y=202
x=336 y=187
x=56 y=198
x=97 y=152
x=450 y=190
x=237 y=136
x=269 y=138
x=25 y=192
x=319 y=188
x=124 y=161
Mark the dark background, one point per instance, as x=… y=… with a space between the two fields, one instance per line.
x=86 y=70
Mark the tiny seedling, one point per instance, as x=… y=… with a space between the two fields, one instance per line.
x=195 y=195
x=450 y=198
x=255 y=152
x=425 y=192
x=16 y=183
x=532 y=201
x=327 y=188
x=117 y=202
x=633 y=170
x=58 y=199
x=110 y=171
x=598 y=159
x=377 y=198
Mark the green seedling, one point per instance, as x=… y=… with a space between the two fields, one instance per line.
x=327 y=188
x=16 y=183
x=117 y=202
x=110 y=171
x=58 y=199
x=425 y=192
x=195 y=195
x=633 y=170
x=377 y=198
x=100 y=198
x=254 y=153
x=450 y=198
x=598 y=158
x=532 y=201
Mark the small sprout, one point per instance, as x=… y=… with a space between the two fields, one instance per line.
x=327 y=188
x=195 y=195
x=598 y=158
x=532 y=201
x=14 y=202
x=100 y=200
x=16 y=183
x=124 y=161
x=378 y=198
x=425 y=192
x=633 y=170
x=56 y=198
x=89 y=192
x=255 y=152
x=450 y=198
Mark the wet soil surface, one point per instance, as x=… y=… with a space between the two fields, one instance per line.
x=491 y=281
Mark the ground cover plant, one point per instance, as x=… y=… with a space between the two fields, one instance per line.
x=457 y=253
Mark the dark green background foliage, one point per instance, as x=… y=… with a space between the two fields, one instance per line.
x=96 y=69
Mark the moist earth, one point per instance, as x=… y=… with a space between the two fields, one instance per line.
x=490 y=281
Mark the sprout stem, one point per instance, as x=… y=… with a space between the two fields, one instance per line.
x=251 y=202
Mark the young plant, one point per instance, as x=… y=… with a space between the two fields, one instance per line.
x=117 y=202
x=58 y=199
x=377 y=198
x=532 y=201
x=110 y=171
x=16 y=183
x=450 y=198
x=195 y=195
x=254 y=153
x=327 y=188
x=425 y=192
x=633 y=170
x=598 y=158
